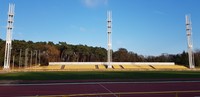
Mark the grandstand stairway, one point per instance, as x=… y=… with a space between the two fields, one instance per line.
x=62 y=67
x=121 y=66
x=113 y=67
x=96 y=66
x=152 y=67
x=118 y=67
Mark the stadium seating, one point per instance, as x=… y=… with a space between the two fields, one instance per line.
x=103 y=67
x=131 y=67
x=167 y=67
x=79 y=67
x=138 y=67
x=146 y=67
x=117 y=67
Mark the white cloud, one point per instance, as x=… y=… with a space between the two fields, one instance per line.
x=95 y=3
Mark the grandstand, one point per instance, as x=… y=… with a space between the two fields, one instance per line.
x=101 y=67
x=140 y=67
x=98 y=66
x=79 y=67
x=118 y=67
x=92 y=66
x=174 y=67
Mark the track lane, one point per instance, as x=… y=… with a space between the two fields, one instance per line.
x=96 y=87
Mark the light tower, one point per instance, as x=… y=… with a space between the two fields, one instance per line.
x=189 y=41
x=9 y=37
x=109 y=30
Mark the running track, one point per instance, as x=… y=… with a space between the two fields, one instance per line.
x=16 y=90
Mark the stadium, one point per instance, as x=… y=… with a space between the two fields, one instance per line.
x=88 y=66
x=50 y=73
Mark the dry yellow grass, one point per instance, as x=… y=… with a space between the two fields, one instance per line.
x=52 y=67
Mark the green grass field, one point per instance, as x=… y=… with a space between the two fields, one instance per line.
x=88 y=75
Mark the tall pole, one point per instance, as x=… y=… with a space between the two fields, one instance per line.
x=26 y=58
x=31 y=59
x=20 y=58
x=8 y=46
x=189 y=41
x=35 y=57
x=109 y=30
x=13 y=62
x=39 y=57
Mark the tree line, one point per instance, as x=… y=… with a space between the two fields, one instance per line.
x=26 y=53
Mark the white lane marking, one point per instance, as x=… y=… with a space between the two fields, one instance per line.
x=108 y=89
x=88 y=83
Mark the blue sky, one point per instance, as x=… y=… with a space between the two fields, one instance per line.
x=147 y=27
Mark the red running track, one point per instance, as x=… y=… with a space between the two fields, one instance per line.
x=13 y=90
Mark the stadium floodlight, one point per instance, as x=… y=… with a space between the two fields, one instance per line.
x=189 y=41
x=8 y=47
x=109 y=30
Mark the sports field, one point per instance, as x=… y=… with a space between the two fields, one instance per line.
x=88 y=75
x=100 y=84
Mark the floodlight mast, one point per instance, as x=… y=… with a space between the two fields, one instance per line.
x=109 y=30
x=189 y=41
x=9 y=37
